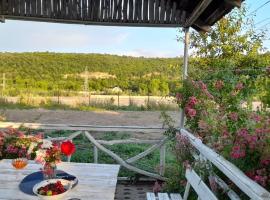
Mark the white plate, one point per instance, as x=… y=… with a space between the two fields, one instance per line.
x=67 y=185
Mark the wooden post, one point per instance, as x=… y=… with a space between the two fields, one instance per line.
x=162 y=160
x=185 y=70
x=95 y=154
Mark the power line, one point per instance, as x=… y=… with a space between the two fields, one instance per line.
x=262 y=27
x=266 y=19
x=260 y=7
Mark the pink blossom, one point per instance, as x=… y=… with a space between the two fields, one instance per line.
x=157 y=187
x=219 y=84
x=192 y=101
x=252 y=141
x=207 y=93
x=194 y=84
x=233 y=116
x=179 y=97
x=260 y=132
x=255 y=117
x=20 y=134
x=251 y=174
x=261 y=180
x=191 y=112
x=239 y=86
x=243 y=132
x=265 y=162
x=202 y=85
x=12 y=149
x=238 y=152
x=225 y=133
x=203 y=125
x=182 y=140
x=39 y=135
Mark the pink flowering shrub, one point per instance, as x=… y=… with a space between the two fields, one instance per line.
x=15 y=143
x=214 y=113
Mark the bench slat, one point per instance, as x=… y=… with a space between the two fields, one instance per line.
x=150 y=196
x=199 y=186
x=175 y=196
x=163 y=196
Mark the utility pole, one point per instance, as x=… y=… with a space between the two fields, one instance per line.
x=86 y=88
x=3 y=84
x=86 y=85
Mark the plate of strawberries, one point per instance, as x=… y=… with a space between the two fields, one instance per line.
x=52 y=189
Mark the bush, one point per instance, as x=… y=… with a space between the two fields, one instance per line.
x=214 y=113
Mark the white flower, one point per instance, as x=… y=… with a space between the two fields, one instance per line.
x=40 y=155
x=47 y=144
x=31 y=147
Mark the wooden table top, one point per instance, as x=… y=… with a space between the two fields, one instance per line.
x=96 y=181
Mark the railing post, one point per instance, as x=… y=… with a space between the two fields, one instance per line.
x=95 y=154
x=162 y=160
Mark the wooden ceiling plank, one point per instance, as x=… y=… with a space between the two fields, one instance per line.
x=197 y=12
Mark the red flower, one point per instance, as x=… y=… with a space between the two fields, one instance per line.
x=68 y=148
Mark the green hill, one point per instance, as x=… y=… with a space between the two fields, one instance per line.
x=46 y=72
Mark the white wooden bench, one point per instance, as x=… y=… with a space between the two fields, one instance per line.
x=193 y=179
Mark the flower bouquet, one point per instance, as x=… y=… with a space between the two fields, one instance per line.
x=49 y=155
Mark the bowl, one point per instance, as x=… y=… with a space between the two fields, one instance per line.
x=19 y=163
x=67 y=185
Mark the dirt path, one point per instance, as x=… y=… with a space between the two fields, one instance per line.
x=121 y=118
x=106 y=118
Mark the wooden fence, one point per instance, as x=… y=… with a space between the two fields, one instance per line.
x=245 y=184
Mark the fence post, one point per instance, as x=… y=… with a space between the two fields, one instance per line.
x=162 y=160
x=95 y=154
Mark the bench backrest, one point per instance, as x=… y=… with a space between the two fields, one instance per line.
x=198 y=185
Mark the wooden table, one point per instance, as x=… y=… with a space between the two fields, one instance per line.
x=96 y=181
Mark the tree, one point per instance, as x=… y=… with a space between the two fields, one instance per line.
x=232 y=37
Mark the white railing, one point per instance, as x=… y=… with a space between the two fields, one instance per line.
x=249 y=187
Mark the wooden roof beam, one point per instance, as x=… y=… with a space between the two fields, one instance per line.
x=201 y=26
x=236 y=3
x=197 y=12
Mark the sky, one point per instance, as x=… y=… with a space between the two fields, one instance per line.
x=22 y=36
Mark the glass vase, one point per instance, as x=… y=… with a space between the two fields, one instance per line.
x=49 y=170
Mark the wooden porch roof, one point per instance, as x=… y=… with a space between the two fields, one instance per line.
x=199 y=14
